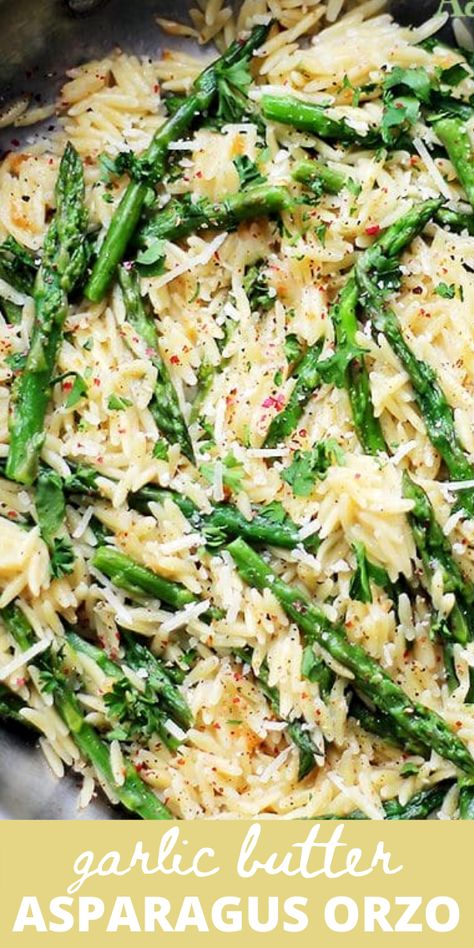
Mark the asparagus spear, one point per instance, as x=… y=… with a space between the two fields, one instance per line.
x=437 y=413
x=466 y=802
x=307 y=377
x=344 y=367
x=312 y=170
x=415 y=720
x=457 y=221
x=142 y=714
x=308 y=751
x=348 y=361
x=137 y=579
x=62 y=265
x=17 y=625
x=268 y=526
x=127 y=215
x=184 y=216
x=453 y=134
x=164 y=405
x=420 y=807
x=383 y=726
x=356 y=378
x=436 y=554
x=10 y=706
x=139 y=658
x=133 y=794
x=309 y=117
x=17 y=266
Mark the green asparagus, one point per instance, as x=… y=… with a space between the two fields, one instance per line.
x=164 y=405
x=415 y=720
x=457 y=221
x=133 y=794
x=63 y=263
x=127 y=215
x=10 y=706
x=420 y=807
x=136 y=579
x=18 y=267
x=311 y=171
x=159 y=677
x=356 y=379
x=453 y=134
x=307 y=377
x=466 y=801
x=268 y=525
x=17 y=625
x=185 y=216
x=383 y=726
x=438 y=415
x=308 y=117
x=135 y=715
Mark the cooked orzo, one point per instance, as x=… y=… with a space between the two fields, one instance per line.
x=237 y=405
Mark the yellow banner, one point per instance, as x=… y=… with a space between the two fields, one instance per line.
x=237 y=884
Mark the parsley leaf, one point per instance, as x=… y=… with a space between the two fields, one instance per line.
x=399 y=114
x=117 y=403
x=321 y=232
x=78 y=391
x=151 y=262
x=51 y=674
x=274 y=511
x=62 y=557
x=454 y=75
x=413 y=80
x=137 y=716
x=248 y=171
x=292 y=348
x=50 y=504
x=83 y=480
x=445 y=291
x=160 y=450
x=260 y=295
x=232 y=473
x=366 y=572
x=409 y=769
x=309 y=466
x=315 y=670
x=232 y=87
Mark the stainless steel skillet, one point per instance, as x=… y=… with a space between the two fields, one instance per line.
x=39 y=40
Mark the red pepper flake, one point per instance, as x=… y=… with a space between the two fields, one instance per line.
x=96 y=381
x=12 y=514
x=67 y=385
x=302 y=432
x=174 y=360
x=15 y=142
x=373 y=230
x=198 y=174
x=156 y=87
x=417 y=290
x=274 y=401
